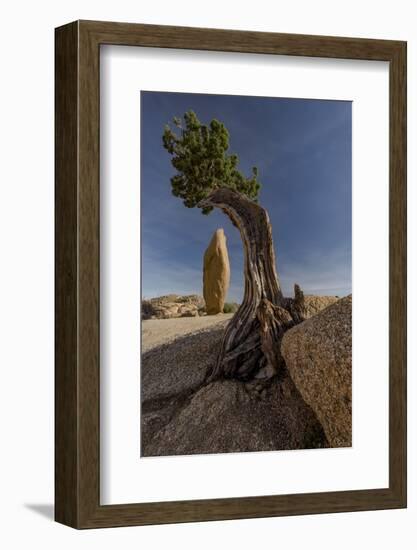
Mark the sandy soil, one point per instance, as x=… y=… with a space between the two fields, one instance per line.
x=161 y=331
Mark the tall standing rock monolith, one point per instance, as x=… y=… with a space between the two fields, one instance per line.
x=216 y=273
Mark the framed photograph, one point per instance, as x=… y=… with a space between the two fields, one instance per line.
x=230 y=274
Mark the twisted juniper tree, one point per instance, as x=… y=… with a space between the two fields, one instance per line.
x=207 y=177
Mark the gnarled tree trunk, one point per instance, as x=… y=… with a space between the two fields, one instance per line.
x=251 y=341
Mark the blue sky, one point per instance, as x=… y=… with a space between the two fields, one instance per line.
x=302 y=149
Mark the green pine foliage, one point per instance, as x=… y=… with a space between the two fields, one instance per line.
x=199 y=155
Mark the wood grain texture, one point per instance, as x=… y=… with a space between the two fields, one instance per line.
x=398 y=273
x=77 y=403
x=66 y=343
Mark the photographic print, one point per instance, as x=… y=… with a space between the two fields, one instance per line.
x=246 y=283
x=203 y=274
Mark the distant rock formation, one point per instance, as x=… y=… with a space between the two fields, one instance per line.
x=303 y=306
x=216 y=273
x=192 y=305
x=173 y=305
x=318 y=355
x=315 y=304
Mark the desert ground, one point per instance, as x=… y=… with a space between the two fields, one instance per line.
x=156 y=332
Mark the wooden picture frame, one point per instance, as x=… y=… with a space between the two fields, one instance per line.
x=77 y=373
